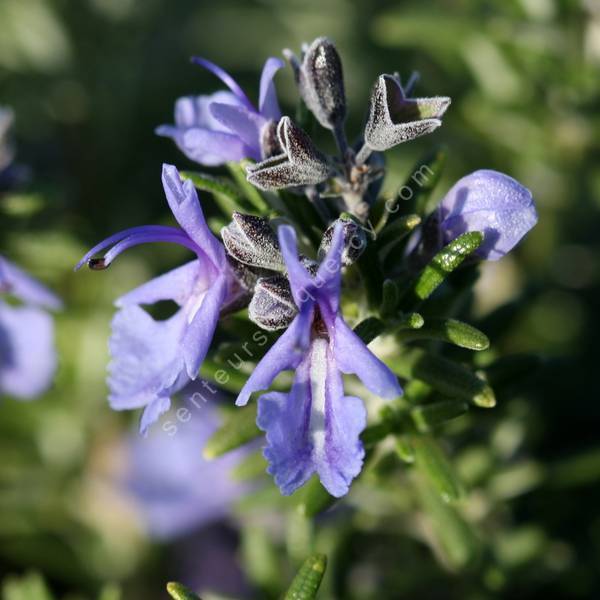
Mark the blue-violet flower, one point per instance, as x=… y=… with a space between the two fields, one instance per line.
x=490 y=202
x=225 y=126
x=314 y=427
x=151 y=360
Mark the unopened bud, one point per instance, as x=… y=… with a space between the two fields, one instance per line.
x=272 y=306
x=300 y=164
x=355 y=241
x=321 y=83
x=251 y=241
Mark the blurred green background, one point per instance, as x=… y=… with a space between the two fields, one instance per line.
x=89 y=80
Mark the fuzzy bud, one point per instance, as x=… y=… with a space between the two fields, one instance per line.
x=251 y=241
x=272 y=306
x=394 y=118
x=355 y=241
x=321 y=83
x=300 y=164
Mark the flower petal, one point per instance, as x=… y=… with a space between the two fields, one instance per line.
x=345 y=418
x=268 y=106
x=158 y=407
x=184 y=203
x=24 y=287
x=286 y=353
x=205 y=146
x=244 y=123
x=27 y=354
x=314 y=427
x=300 y=280
x=225 y=77
x=177 y=285
x=285 y=420
x=194 y=111
x=201 y=328
x=147 y=362
x=490 y=202
x=353 y=356
x=329 y=275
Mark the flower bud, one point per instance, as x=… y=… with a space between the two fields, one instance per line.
x=269 y=142
x=251 y=241
x=394 y=118
x=355 y=241
x=300 y=164
x=321 y=83
x=272 y=306
x=490 y=202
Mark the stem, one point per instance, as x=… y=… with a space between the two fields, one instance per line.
x=315 y=197
x=340 y=139
x=363 y=155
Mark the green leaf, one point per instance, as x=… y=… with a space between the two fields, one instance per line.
x=238 y=428
x=314 y=498
x=413 y=195
x=368 y=329
x=110 y=591
x=416 y=391
x=31 y=586
x=441 y=265
x=409 y=321
x=371 y=274
x=397 y=230
x=308 y=580
x=390 y=298
x=424 y=178
x=375 y=433
x=454 y=536
x=238 y=172
x=262 y=560
x=225 y=376
x=394 y=234
x=448 y=330
x=428 y=416
x=404 y=449
x=226 y=196
x=178 y=591
x=446 y=376
x=251 y=467
x=433 y=464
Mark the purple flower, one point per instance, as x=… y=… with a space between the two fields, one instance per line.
x=490 y=202
x=225 y=126
x=153 y=359
x=175 y=488
x=27 y=353
x=314 y=427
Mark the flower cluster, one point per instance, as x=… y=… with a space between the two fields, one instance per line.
x=314 y=428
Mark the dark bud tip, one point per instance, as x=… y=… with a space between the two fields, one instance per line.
x=97 y=264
